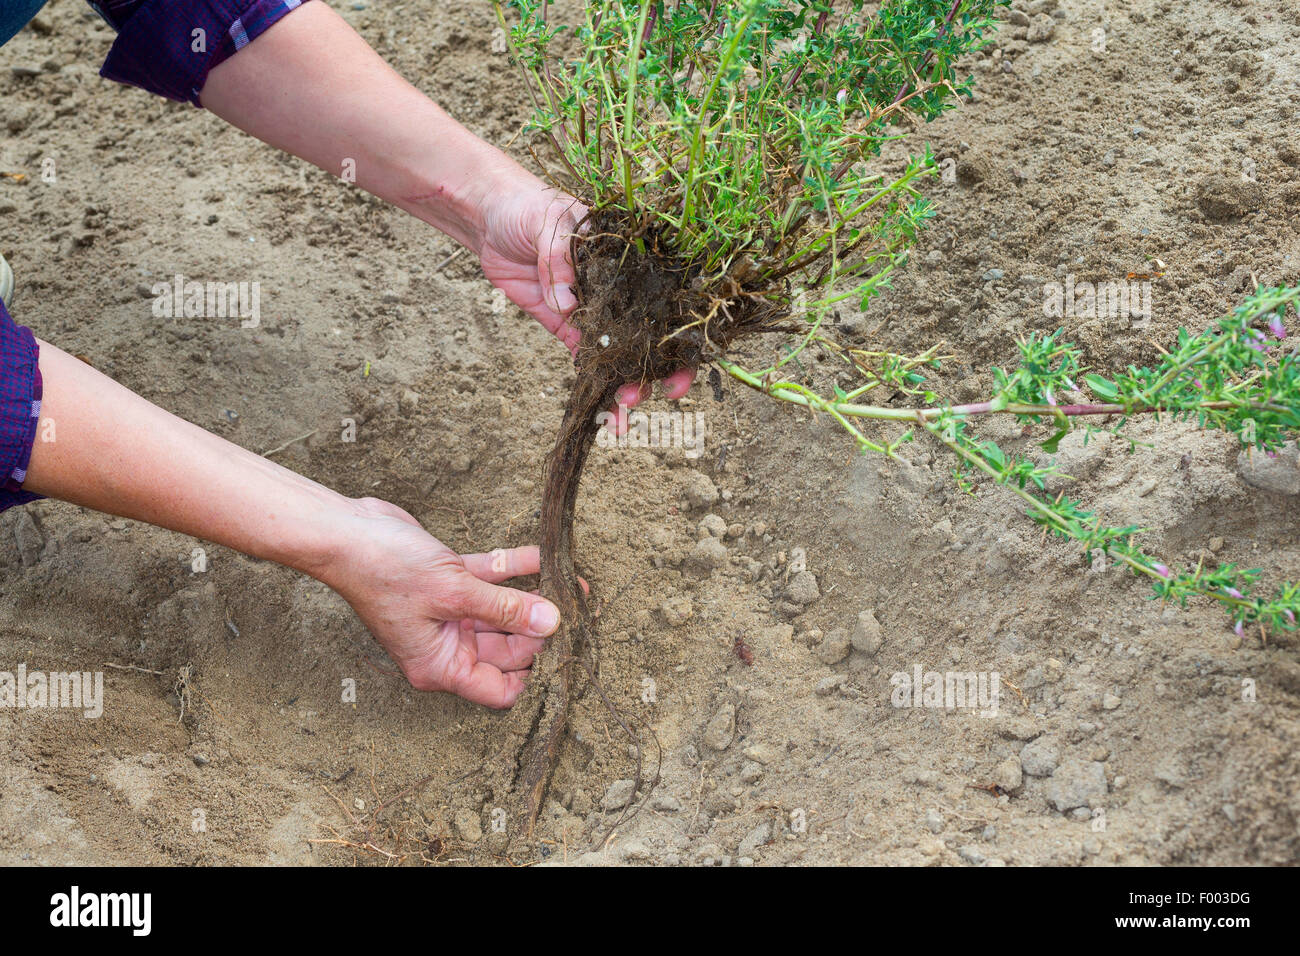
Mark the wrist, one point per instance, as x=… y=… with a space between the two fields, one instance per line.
x=457 y=194
x=325 y=541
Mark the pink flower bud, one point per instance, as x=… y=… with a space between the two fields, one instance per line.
x=1162 y=570
x=842 y=97
x=1276 y=327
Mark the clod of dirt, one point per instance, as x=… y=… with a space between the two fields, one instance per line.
x=1223 y=198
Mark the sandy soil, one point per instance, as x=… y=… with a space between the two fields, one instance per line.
x=223 y=738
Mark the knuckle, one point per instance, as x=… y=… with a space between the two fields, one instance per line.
x=509 y=607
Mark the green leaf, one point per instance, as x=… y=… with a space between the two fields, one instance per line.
x=1103 y=388
x=1052 y=443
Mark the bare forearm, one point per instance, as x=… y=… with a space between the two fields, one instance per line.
x=312 y=87
x=100 y=445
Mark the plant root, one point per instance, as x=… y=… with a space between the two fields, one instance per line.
x=642 y=316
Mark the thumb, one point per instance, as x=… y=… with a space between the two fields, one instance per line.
x=555 y=264
x=510 y=610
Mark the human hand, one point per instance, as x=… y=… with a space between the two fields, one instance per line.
x=442 y=617
x=525 y=252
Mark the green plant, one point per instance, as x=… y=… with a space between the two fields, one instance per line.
x=725 y=147
x=735 y=128
x=1236 y=376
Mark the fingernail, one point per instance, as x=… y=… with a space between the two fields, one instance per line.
x=564 y=297
x=543 y=619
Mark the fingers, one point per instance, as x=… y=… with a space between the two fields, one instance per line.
x=554 y=264
x=504 y=609
x=679 y=383
x=628 y=396
x=507 y=652
x=477 y=679
x=503 y=564
x=556 y=324
x=674 y=387
x=633 y=394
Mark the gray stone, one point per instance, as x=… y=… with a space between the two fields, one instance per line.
x=712 y=525
x=829 y=685
x=1040 y=757
x=971 y=855
x=1009 y=775
x=700 y=490
x=1171 y=771
x=765 y=754
x=1280 y=475
x=933 y=821
x=1041 y=29
x=29 y=537
x=867 y=635
x=709 y=553
x=721 y=729
x=1076 y=783
x=761 y=835
x=833 y=648
x=635 y=850
x=467 y=825
x=802 y=588
x=619 y=795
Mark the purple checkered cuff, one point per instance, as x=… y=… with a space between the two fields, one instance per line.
x=20 y=408
x=169 y=46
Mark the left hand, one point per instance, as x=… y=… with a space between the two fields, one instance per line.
x=444 y=618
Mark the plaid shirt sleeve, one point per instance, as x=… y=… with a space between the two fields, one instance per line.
x=20 y=408
x=169 y=46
